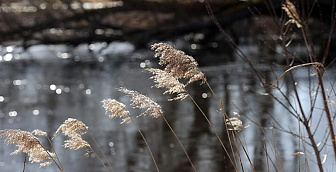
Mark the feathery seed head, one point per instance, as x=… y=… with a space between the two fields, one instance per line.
x=292 y=13
x=235 y=124
x=164 y=79
x=48 y=163
x=71 y=127
x=178 y=63
x=74 y=129
x=143 y=102
x=38 y=132
x=27 y=143
x=76 y=143
x=117 y=109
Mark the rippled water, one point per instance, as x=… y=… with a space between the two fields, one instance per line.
x=40 y=93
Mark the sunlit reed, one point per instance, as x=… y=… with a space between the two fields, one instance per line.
x=178 y=63
x=164 y=79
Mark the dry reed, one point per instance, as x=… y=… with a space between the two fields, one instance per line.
x=178 y=63
x=116 y=109
x=74 y=129
x=292 y=13
x=235 y=124
x=164 y=79
x=28 y=143
x=141 y=101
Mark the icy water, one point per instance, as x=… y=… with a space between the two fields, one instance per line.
x=46 y=85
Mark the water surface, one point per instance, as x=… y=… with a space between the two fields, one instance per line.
x=42 y=88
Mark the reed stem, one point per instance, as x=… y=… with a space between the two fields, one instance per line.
x=101 y=151
x=214 y=130
x=164 y=118
x=149 y=149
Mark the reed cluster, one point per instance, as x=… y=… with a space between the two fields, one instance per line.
x=179 y=70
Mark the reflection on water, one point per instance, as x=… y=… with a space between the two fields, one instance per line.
x=35 y=94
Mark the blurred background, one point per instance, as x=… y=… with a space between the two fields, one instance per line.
x=60 y=58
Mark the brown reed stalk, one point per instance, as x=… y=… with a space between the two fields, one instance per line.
x=227 y=122
x=179 y=141
x=310 y=53
x=101 y=151
x=266 y=153
x=238 y=153
x=227 y=131
x=145 y=140
x=305 y=122
x=310 y=49
x=214 y=130
x=315 y=64
x=313 y=58
x=24 y=164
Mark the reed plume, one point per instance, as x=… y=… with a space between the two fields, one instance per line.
x=141 y=101
x=292 y=13
x=38 y=132
x=234 y=124
x=74 y=129
x=178 y=63
x=116 y=109
x=28 y=143
x=164 y=79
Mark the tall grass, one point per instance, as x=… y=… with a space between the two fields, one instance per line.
x=179 y=70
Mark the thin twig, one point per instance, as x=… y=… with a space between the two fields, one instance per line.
x=295 y=67
x=326 y=109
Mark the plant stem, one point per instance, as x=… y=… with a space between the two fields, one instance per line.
x=238 y=152
x=214 y=130
x=24 y=164
x=101 y=151
x=221 y=105
x=149 y=149
x=305 y=121
x=225 y=116
x=52 y=147
x=326 y=109
x=307 y=127
x=98 y=158
x=52 y=158
x=164 y=118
